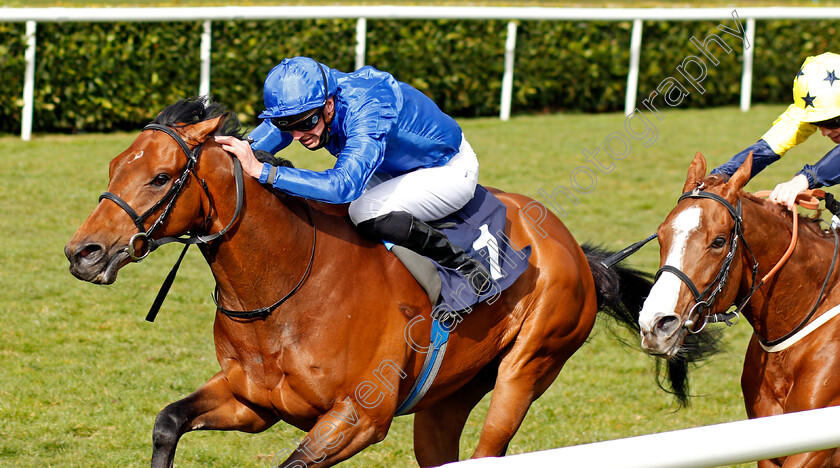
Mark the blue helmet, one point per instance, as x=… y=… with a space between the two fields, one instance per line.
x=296 y=85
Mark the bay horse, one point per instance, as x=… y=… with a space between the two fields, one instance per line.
x=341 y=352
x=720 y=246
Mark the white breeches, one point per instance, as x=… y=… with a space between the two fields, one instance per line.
x=428 y=194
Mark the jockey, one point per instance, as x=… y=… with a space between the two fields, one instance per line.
x=401 y=162
x=816 y=106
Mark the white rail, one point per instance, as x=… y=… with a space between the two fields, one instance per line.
x=208 y=14
x=206 y=43
x=633 y=74
x=28 y=81
x=746 y=76
x=361 y=42
x=698 y=447
x=507 y=78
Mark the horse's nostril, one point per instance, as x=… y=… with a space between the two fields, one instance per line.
x=89 y=249
x=88 y=254
x=666 y=323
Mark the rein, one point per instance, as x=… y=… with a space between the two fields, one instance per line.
x=808 y=200
x=170 y=198
x=265 y=311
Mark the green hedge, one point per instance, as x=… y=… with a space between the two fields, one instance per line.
x=104 y=76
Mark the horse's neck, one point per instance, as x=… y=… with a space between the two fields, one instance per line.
x=788 y=296
x=267 y=250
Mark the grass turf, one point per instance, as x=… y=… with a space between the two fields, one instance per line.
x=82 y=375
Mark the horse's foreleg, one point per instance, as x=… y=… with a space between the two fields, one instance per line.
x=339 y=434
x=212 y=406
x=437 y=430
x=798 y=379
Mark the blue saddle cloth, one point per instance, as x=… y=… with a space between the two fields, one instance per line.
x=479 y=229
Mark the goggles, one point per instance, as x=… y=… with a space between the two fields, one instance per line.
x=830 y=124
x=301 y=122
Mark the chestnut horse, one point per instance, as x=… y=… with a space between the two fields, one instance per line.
x=718 y=247
x=344 y=349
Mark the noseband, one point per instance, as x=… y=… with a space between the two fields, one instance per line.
x=706 y=299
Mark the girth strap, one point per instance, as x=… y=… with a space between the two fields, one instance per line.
x=431 y=366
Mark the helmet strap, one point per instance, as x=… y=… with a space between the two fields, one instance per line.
x=325 y=135
x=325 y=138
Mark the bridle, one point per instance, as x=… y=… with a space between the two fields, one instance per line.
x=704 y=300
x=169 y=199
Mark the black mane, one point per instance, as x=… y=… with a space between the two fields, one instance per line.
x=198 y=109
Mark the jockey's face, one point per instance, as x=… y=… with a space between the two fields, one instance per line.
x=833 y=133
x=311 y=138
x=830 y=128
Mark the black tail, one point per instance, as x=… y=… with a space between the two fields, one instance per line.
x=621 y=292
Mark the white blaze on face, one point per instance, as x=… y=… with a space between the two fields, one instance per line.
x=665 y=292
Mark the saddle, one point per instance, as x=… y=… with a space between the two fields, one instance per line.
x=479 y=229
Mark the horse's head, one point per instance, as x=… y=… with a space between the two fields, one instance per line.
x=699 y=270
x=146 y=180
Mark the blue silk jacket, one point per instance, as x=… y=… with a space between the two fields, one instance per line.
x=380 y=125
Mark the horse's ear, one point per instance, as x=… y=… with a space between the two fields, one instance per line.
x=696 y=172
x=740 y=178
x=198 y=132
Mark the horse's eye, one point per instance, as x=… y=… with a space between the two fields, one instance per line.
x=160 y=180
x=719 y=242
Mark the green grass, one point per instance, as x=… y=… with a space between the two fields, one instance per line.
x=82 y=375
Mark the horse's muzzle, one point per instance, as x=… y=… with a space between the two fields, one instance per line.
x=662 y=337
x=92 y=262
